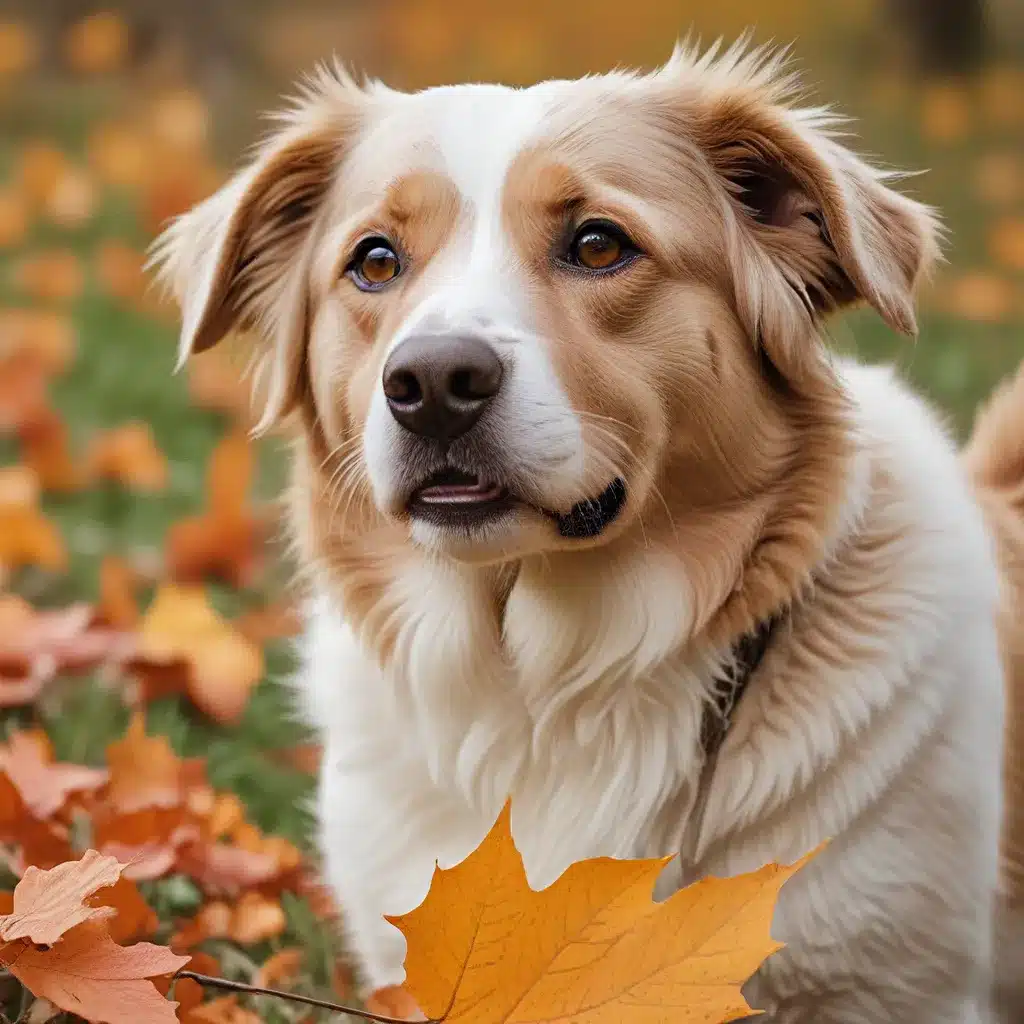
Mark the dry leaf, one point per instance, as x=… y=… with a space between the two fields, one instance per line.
x=18 y=49
x=26 y=536
x=47 y=336
x=14 y=217
x=117 y=153
x=55 y=275
x=226 y=541
x=40 y=166
x=90 y=975
x=180 y=121
x=43 y=785
x=220 y=666
x=145 y=772
x=256 y=918
x=23 y=392
x=1006 y=243
x=128 y=455
x=945 y=112
x=272 y=622
x=46 y=449
x=979 y=296
x=220 y=868
x=134 y=918
x=72 y=201
x=49 y=903
x=120 y=270
x=117 y=606
x=394 y=1001
x=38 y=645
x=280 y=969
x=589 y=948
x=96 y=44
x=221 y=1011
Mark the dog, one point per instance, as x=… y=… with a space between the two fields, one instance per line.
x=590 y=516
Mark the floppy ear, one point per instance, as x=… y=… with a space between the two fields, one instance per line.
x=814 y=228
x=239 y=260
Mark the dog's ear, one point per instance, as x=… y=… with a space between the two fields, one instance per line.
x=813 y=227
x=239 y=260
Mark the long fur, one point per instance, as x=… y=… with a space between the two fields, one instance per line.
x=446 y=670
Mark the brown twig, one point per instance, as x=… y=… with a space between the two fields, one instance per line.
x=323 y=1004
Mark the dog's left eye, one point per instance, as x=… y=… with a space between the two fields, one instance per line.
x=599 y=246
x=374 y=264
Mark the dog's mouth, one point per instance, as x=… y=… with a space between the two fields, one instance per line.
x=455 y=498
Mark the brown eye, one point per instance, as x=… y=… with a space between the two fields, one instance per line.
x=374 y=264
x=600 y=247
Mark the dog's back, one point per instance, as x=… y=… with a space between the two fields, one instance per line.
x=995 y=459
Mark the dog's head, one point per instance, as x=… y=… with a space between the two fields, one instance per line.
x=526 y=320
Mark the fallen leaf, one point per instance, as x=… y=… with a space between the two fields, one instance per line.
x=120 y=270
x=134 y=917
x=280 y=969
x=591 y=947
x=117 y=153
x=1006 y=243
x=40 y=166
x=225 y=815
x=256 y=918
x=128 y=455
x=979 y=296
x=46 y=449
x=394 y=1001
x=72 y=202
x=27 y=537
x=343 y=980
x=14 y=216
x=212 y=922
x=945 y=112
x=221 y=1011
x=180 y=121
x=48 y=336
x=18 y=49
x=146 y=860
x=225 y=541
x=97 y=44
x=220 y=666
x=43 y=785
x=91 y=976
x=117 y=606
x=49 y=903
x=220 y=868
x=23 y=392
x=145 y=772
x=55 y=275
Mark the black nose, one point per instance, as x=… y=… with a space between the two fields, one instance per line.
x=438 y=385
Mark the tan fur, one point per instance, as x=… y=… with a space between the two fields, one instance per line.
x=699 y=375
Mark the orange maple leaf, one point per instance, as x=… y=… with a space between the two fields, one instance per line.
x=43 y=785
x=88 y=974
x=218 y=666
x=144 y=771
x=27 y=537
x=134 y=917
x=45 y=447
x=49 y=903
x=128 y=455
x=225 y=541
x=589 y=948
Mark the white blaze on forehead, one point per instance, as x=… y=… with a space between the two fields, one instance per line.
x=471 y=134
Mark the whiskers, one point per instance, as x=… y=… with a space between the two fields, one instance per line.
x=347 y=481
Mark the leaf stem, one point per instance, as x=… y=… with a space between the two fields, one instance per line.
x=323 y=1004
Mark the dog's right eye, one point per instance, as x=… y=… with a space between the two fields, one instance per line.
x=374 y=265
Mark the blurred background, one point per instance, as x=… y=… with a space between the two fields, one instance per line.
x=144 y=611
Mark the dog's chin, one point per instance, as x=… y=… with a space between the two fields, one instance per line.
x=474 y=520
